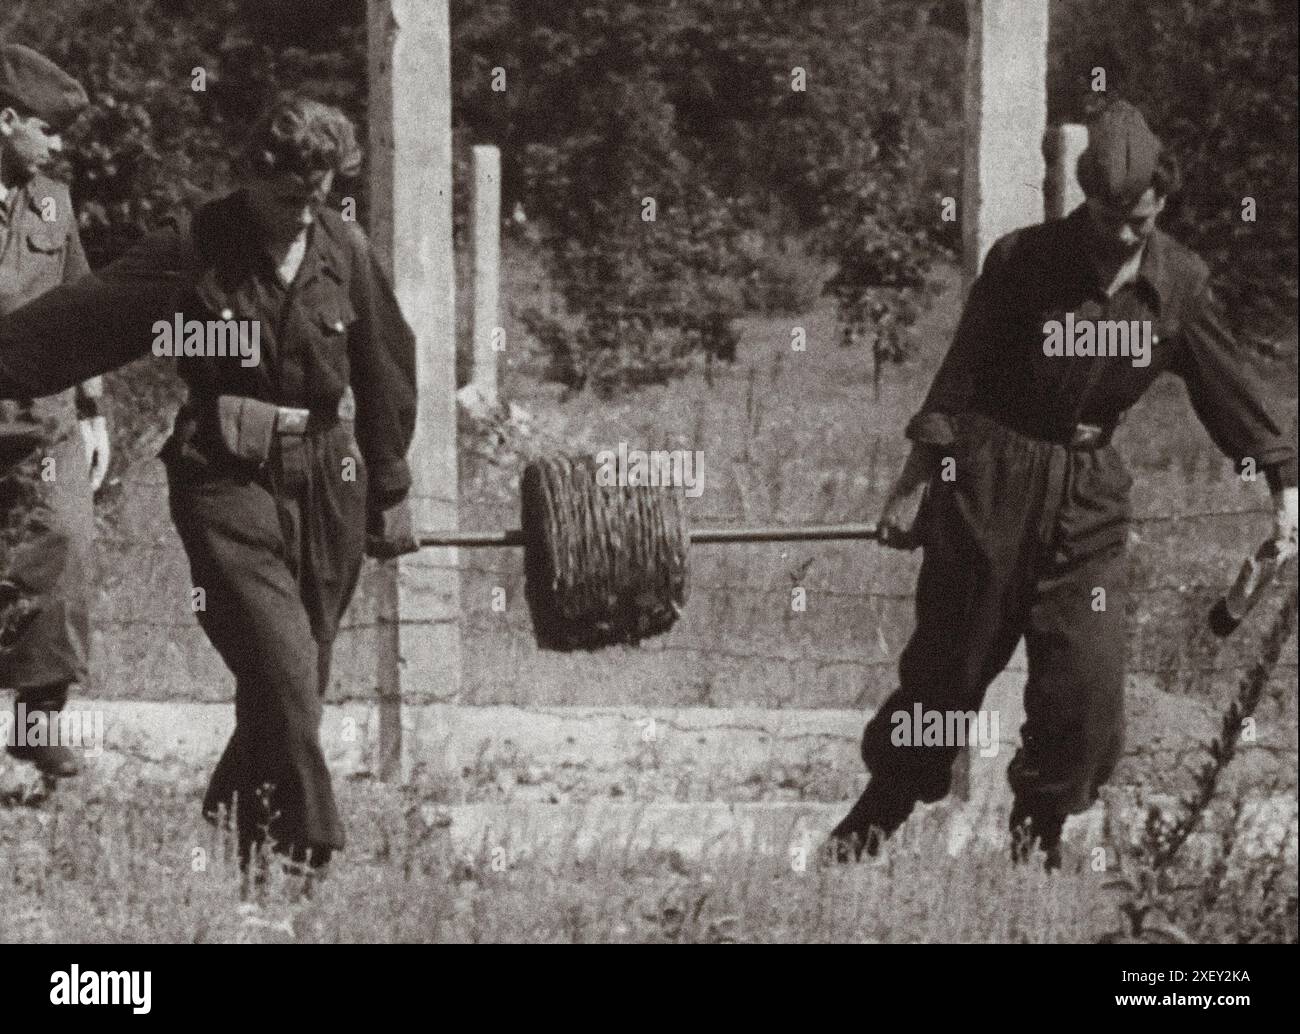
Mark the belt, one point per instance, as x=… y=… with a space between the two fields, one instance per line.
x=289 y=420
x=295 y=421
x=1084 y=437
x=1090 y=436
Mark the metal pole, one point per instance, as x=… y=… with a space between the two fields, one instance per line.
x=698 y=536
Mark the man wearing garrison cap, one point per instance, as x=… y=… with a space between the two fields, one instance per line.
x=46 y=516
x=1021 y=501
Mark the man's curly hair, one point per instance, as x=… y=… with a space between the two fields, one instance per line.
x=301 y=137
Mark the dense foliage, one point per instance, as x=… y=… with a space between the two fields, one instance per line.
x=747 y=125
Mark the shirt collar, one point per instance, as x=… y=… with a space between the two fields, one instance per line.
x=221 y=237
x=35 y=195
x=1153 y=269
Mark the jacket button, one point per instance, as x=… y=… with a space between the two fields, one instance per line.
x=338 y=325
x=226 y=314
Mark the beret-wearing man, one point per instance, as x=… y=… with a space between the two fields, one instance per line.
x=289 y=449
x=1035 y=521
x=46 y=512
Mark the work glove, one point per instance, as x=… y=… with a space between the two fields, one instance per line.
x=388 y=532
x=1284 y=521
x=94 y=436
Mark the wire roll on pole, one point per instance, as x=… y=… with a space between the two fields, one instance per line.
x=608 y=564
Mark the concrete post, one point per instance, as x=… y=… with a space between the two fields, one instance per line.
x=1006 y=116
x=411 y=228
x=1061 y=148
x=487 y=269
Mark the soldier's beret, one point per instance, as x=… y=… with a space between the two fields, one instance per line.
x=35 y=83
x=1120 y=160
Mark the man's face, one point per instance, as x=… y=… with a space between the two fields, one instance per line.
x=1118 y=232
x=27 y=143
x=284 y=206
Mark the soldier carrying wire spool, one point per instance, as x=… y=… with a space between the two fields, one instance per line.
x=282 y=471
x=1032 y=530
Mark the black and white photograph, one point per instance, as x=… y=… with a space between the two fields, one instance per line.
x=648 y=472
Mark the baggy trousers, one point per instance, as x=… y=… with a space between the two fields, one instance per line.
x=1028 y=538
x=47 y=526
x=277 y=557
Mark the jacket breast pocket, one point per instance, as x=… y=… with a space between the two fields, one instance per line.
x=45 y=251
x=329 y=369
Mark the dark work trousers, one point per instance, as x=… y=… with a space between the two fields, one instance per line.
x=47 y=527
x=1028 y=539
x=278 y=556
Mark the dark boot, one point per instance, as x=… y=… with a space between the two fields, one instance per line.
x=1030 y=833
x=870 y=822
x=54 y=761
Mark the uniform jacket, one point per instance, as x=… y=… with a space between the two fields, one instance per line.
x=40 y=248
x=997 y=366
x=338 y=325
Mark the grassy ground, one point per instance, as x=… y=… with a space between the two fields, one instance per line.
x=127 y=863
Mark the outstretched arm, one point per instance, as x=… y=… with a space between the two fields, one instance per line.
x=96 y=323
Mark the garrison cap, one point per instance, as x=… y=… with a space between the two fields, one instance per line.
x=1120 y=160
x=34 y=82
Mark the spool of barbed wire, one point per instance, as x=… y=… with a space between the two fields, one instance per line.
x=604 y=564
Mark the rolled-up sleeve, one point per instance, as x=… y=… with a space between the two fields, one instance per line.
x=954 y=386
x=1241 y=410
x=381 y=348
x=96 y=323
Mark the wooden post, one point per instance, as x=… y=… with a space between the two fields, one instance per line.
x=487 y=269
x=1006 y=116
x=411 y=228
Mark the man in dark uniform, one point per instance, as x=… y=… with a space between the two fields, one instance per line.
x=1028 y=538
x=46 y=512
x=284 y=455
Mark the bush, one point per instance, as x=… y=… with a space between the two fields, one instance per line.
x=780 y=278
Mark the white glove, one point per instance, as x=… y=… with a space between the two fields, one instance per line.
x=1284 y=521
x=94 y=436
